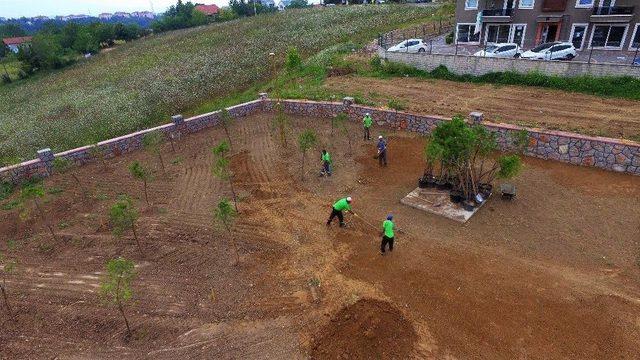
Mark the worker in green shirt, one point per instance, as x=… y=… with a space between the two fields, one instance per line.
x=366 y=124
x=340 y=206
x=387 y=234
x=326 y=163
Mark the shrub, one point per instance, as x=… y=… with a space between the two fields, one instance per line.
x=449 y=38
x=141 y=173
x=510 y=166
x=294 y=60
x=123 y=216
x=6 y=79
x=376 y=62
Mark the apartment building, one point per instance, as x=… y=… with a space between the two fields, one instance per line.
x=597 y=24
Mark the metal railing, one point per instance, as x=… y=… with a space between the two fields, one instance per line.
x=613 y=10
x=497 y=12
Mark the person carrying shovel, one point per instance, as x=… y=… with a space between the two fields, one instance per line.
x=341 y=205
x=382 y=151
x=366 y=124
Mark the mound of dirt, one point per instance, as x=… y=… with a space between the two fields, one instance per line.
x=368 y=329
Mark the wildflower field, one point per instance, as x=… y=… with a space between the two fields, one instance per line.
x=142 y=83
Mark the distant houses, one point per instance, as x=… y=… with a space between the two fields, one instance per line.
x=209 y=10
x=15 y=43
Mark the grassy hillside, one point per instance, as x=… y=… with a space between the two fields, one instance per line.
x=140 y=84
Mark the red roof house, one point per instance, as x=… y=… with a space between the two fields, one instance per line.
x=209 y=10
x=14 y=43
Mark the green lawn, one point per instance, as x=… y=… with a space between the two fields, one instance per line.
x=142 y=83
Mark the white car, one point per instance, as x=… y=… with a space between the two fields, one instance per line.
x=504 y=50
x=551 y=51
x=410 y=46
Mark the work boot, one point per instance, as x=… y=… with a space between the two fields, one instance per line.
x=342 y=224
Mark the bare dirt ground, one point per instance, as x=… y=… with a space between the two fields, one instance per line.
x=528 y=106
x=553 y=274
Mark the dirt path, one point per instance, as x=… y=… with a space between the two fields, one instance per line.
x=529 y=106
x=551 y=275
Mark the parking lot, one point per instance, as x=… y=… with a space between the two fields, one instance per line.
x=438 y=45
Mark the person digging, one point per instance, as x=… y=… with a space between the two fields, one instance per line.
x=387 y=234
x=382 y=151
x=367 y=121
x=341 y=205
x=326 y=163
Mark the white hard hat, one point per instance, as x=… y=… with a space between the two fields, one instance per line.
x=367 y=114
x=380 y=137
x=349 y=199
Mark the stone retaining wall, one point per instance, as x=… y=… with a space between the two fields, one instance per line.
x=475 y=65
x=606 y=153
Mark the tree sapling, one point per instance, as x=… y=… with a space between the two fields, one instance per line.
x=34 y=192
x=116 y=288
x=222 y=168
x=281 y=124
x=226 y=120
x=225 y=215
x=141 y=173
x=151 y=142
x=63 y=165
x=8 y=267
x=123 y=216
x=306 y=141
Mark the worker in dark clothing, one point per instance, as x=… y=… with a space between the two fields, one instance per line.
x=367 y=121
x=382 y=151
x=340 y=206
x=326 y=163
x=387 y=234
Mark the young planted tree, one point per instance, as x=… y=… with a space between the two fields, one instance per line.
x=340 y=121
x=226 y=120
x=64 y=165
x=141 y=173
x=225 y=215
x=467 y=154
x=123 y=215
x=281 y=124
x=151 y=143
x=306 y=141
x=222 y=168
x=116 y=288
x=8 y=267
x=96 y=152
x=33 y=192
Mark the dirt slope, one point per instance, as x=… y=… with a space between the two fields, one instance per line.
x=551 y=275
x=530 y=106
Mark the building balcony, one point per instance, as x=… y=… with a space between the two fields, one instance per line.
x=497 y=15
x=612 y=14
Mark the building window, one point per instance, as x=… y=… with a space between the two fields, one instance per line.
x=470 y=4
x=498 y=34
x=635 y=39
x=578 y=32
x=518 y=33
x=466 y=33
x=527 y=4
x=608 y=36
x=584 y=3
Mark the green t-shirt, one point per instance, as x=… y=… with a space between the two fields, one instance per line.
x=387 y=226
x=326 y=157
x=367 y=121
x=341 y=205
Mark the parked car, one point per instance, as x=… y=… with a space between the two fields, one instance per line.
x=504 y=50
x=551 y=51
x=410 y=46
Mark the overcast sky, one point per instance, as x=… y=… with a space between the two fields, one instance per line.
x=18 y=8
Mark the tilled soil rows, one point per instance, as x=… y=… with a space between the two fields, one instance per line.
x=552 y=274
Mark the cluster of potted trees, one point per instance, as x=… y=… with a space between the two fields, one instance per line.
x=461 y=159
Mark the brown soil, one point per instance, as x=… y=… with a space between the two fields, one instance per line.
x=553 y=274
x=368 y=329
x=527 y=106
